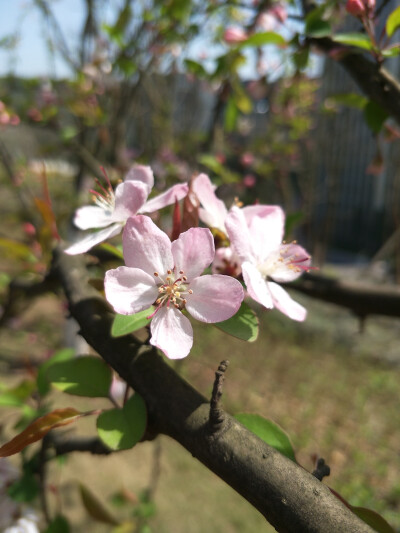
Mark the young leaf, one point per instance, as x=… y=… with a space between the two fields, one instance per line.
x=261 y=39
x=58 y=525
x=269 y=432
x=317 y=28
x=96 y=508
x=42 y=382
x=354 y=39
x=25 y=489
x=125 y=324
x=393 y=21
x=375 y=116
x=39 y=428
x=350 y=99
x=121 y=429
x=231 y=114
x=392 y=51
x=17 y=396
x=243 y=325
x=82 y=376
x=373 y=519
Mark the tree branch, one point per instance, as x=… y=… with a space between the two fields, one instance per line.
x=362 y=299
x=290 y=498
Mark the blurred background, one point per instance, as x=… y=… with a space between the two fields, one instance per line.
x=230 y=89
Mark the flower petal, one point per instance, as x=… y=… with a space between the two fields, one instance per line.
x=129 y=290
x=193 y=251
x=266 y=231
x=141 y=173
x=177 y=192
x=146 y=246
x=92 y=216
x=239 y=234
x=214 y=211
x=87 y=242
x=171 y=332
x=256 y=285
x=215 y=298
x=129 y=198
x=295 y=262
x=285 y=304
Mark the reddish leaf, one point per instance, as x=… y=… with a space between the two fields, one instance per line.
x=38 y=429
x=176 y=222
x=190 y=218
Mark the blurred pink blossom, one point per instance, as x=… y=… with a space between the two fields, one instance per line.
x=234 y=35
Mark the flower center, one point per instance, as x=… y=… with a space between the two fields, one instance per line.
x=104 y=198
x=282 y=259
x=172 y=290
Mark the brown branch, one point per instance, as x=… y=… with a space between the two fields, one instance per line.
x=290 y=498
x=62 y=445
x=361 y=299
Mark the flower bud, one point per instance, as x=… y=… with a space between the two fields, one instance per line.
x=357 y=8
x=234 y=35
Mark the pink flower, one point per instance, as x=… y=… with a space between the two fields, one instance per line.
x=214 y=212
x=168 y=275
x=113 y=209
x=256 y=233
x=235 y=35
x=226 y=262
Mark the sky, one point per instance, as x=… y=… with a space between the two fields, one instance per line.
x=32 y=57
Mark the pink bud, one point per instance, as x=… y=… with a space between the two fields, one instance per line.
x=249 y=180
x=234 y=35
x=247 y=159
x=356 y=8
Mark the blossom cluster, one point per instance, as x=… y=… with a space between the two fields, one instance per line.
x=167 y=277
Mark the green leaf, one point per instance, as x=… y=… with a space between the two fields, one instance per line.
x=82 y=376
x=17 y=396
x=121 y=429
x=25 y=489
x=393 y=21
x=349 y=99
x=261 y=39
x=68 y=133
x=15 y=249
x=243 y=325
x=373 y=519
x=269 y=432
x=375 y=116
x=115 y=250
x=95 y=508
x=196 y=68
x=42 y=382
x=231 y=114
x=393 y=51
x=360 y=40
x=58 y=525
x=317 y=28
x=125 y=324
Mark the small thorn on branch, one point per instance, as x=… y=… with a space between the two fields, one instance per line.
x=321 y=470
x=216 y=417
